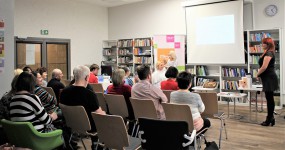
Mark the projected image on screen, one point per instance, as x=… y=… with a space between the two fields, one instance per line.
x=220 y=27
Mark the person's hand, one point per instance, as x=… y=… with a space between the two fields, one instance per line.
x=257 y=79
x=7 y=147
x=53 y=116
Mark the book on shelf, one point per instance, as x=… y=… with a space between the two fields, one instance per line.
x=124 y=52
x=125 y=43
x=229 y=85
x=202 y=70
x=142 y=60
x=142 y=42
x=234 y=72
x=254 y=59
x=257 y=37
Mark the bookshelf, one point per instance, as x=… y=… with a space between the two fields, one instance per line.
x=143 y=51
x=125 y=53
x=109 y=53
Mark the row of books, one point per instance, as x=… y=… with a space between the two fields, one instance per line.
x=256 y=49
x=229 y=85
x=202 y=70
x=254 y=73
x=107 y=52
x=254 y=59
x=124 y=52
x=143 y=60
x=142 y=42
x=234 y=72
x=125 y=60
x=140 y=51
x=259 y=36
x=125 y=43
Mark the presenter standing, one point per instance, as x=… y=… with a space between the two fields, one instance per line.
x=268 y=77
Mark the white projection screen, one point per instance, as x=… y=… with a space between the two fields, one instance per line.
x=215 y=33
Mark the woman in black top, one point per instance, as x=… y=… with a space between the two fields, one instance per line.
x=268 y=77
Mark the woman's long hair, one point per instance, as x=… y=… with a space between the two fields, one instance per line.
x=270 y=45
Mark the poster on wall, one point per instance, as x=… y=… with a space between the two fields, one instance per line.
x=170 y=49
x=2 y=50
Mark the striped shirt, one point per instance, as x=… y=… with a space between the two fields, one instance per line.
x=28 y=108
x=48 y=101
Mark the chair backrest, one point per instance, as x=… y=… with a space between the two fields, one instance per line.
x=50 y=91
x=23 y=134
x=167 y=94
x=97 y=87
x=111 y=130
x=76 y=118
x=179 y=112
x=210 y=101
x=102 y=101
x=117 y=105
x=162 y=134
x=66 y=82
x=143 y=108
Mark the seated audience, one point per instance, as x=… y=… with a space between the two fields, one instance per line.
x=170 y=83
x=89 y=87
x=120 y=88
x=128 y=80
x=184 y=96
x=145 y=90
x=28 y=69
x=94 y=68
x=78 y=95
x=48 y=101
x=43 y=73
x=55 y=83
x=158 y=75
x=27 y=107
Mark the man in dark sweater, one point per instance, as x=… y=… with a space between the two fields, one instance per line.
x=78 y=95
x=55 y=83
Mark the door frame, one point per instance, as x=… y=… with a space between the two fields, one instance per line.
x=44 y=42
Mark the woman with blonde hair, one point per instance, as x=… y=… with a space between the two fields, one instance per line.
x=18 y=71
x=172 y=59
x=159 y=74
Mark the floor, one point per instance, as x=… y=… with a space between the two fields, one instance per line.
x=243 y=135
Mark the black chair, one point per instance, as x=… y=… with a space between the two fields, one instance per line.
x=166 y=135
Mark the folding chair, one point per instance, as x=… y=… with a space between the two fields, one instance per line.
x=210 y=101
x=76 y=118
x=161 y=134
x=97 y=87
x=50 y=91
x=102 y=101
x=113 y=133
x=167 y=94
x=182 y=112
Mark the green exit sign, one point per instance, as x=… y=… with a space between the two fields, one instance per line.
x=44 y=32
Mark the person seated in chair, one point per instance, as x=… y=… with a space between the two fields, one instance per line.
x=184 y=96
x=55 y=83
x=78 y=95
x=170 y=83
x=145 y=90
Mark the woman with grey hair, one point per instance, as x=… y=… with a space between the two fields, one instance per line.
x=119 y=88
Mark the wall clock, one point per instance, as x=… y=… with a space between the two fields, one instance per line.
x=271 y=10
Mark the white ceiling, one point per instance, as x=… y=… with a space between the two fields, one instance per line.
x=110 y=3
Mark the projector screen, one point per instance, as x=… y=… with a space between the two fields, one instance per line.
x=215 y=33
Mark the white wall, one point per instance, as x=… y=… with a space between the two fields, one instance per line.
x=7 y=14
x=147 y=18
x=85 y=24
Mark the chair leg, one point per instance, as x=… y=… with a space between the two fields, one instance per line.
x=70 y=141
x=135 y=124
x=221 y=130
x=137 y=131
x=225 y=129
x=83 y=143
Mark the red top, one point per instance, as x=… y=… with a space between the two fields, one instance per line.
x=169 y=84
x=93 y=78
x=124 y=90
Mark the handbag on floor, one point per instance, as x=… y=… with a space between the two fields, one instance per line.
x=211 y=145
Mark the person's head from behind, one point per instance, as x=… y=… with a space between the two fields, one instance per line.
x=18 y=71
x=43 y=72
x=94 y=68
x=144 y=72
x=57 y=74
x=13 y=83
x=38 y=77
x=171 y=72
x=118 y=77
x=172 y=55
x=127 y=71
x=159 y=65
x=184 y=80
x=268 y=44
x=81 y=75
x=25 y=82
x=27 y=69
